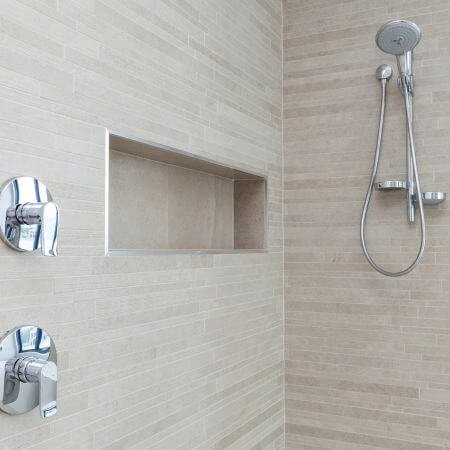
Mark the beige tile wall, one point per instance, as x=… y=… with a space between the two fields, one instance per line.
x=159 y=352
x=367 y=357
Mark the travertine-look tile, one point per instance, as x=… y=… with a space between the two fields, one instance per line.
x=249 y=214
x=138 y=208
x=367 y=358
x=200 y=210
x=159 y=351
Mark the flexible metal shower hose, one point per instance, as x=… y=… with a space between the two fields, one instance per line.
x=409 y=120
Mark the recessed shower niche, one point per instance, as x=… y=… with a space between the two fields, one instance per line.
x=160 y=199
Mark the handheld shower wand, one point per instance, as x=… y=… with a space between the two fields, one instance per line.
x=398 y=38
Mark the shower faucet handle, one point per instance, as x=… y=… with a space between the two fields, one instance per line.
x=49 y=229
x=28 y=371
x=47 y=216
x=29 y=219
x=35 y=370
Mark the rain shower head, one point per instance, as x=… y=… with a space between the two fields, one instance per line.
x=398 y=37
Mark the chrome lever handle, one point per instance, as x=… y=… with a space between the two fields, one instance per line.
x=47 y=216
x=28 y=217
x=47 y=389
x=49 y=229
x=34 y=370
x=28 y=371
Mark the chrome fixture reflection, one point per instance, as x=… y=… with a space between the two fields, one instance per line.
x=28 y=372
x=29 y=219
x=399 y=38
x=384 y=72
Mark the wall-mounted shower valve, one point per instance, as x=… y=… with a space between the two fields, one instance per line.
x=28 y=372
x=35 y=370
x=46 y=215
x=29 y=219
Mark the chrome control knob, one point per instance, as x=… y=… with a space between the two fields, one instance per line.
x=44 y=214
x=29 y=219
x=28 y=372
x=35 y=370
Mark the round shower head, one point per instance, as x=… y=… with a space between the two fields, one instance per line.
x=398 y=37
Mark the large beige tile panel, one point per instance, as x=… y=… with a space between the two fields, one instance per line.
x=154 y=206
x=164 y=352
x=138 y=203
x=249 y=214
x=200 y=210
x=367 y=357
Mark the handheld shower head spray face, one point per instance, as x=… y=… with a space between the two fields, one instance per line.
x=398 y=37
x=384 y=72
